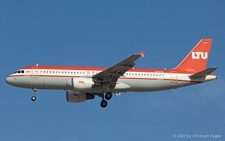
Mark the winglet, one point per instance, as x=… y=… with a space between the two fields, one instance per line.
x=142 y=54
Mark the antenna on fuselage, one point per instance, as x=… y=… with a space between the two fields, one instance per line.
x=37 y=64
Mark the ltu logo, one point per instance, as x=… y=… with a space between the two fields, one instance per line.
x=199 y=55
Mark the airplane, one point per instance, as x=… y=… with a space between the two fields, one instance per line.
x=84 y=83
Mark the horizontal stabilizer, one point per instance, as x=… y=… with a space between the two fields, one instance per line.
x=203 y=73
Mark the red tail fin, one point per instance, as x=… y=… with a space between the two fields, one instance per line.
x=197 y=59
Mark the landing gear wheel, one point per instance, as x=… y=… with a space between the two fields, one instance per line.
x=108 y=96
x=33 y=98
x=103 y=103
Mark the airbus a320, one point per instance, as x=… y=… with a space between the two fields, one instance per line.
x=85 y=83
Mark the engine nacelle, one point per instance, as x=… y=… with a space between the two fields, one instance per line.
x=72 y=96
x=80 y=83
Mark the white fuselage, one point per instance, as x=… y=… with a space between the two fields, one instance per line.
x=142 y=80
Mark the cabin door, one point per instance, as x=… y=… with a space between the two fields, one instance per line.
x=173 y=77
x=34 y=72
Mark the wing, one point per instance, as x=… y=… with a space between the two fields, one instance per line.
x=109 y=77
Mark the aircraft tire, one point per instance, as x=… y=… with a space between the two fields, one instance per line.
x=33 y=98
x=103 y=103
x=108 y=96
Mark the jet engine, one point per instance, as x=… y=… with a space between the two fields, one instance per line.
x=72 y=96
x=80 y=83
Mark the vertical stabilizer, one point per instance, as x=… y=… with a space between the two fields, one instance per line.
x=197 y=59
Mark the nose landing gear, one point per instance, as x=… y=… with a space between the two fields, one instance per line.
x=33 y=98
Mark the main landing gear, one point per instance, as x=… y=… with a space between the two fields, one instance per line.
x=108 y=96
x=33 y=98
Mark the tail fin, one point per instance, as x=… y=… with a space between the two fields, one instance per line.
x=197 y=59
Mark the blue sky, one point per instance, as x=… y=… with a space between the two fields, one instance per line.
x=102 y=33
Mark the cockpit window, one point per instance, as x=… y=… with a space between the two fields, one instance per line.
x=19 y=71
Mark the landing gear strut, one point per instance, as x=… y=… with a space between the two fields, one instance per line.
x=33 y=98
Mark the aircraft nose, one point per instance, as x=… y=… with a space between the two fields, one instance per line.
x=8 y=80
